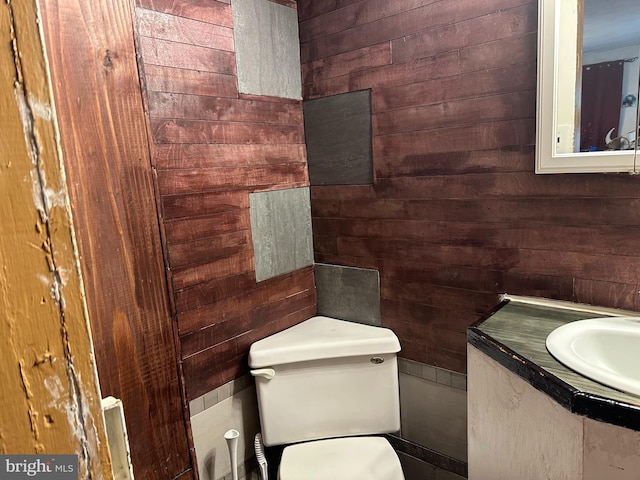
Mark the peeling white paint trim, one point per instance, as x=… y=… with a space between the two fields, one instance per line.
x=44 y=198
x=40 y=109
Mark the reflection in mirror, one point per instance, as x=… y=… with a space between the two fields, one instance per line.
x=588 y=82
x=607 y=98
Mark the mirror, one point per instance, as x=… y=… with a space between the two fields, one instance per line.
x=588 y=80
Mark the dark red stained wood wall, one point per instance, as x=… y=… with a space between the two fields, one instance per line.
x=456 y=214
x=92 y=56
x=212 y=147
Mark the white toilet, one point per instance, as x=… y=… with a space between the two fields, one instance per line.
x=325 y=386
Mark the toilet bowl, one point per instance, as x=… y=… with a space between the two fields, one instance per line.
x=349 y=458
x=328 y=389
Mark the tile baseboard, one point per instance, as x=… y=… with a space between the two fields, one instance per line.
x=439 y=460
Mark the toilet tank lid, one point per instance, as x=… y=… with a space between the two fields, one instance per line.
x=320 y=338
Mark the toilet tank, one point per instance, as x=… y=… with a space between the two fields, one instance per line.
x=326 y=378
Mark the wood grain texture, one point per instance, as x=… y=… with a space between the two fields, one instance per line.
x=474 y=58
x=232 y=327
x=346 y=63
x=178 y=55
x=269 y=291
x=212 y=148
x=183 y=30
x=166 y=105
x=169 y=156
x=195 y=82
x=208 y=11
x=204 y=179
x=392 y=22
x=212 y=369
x=198 y=131
x=50 y=395
x=189 y=229
x=518 y=77
x=460 y=34
x=203 y=203
x=456 y=215
x=100 y=111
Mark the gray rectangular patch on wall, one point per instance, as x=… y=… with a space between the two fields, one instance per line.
x=348 y=293
x=281 y=231
x=267 y=48
x=338 y=136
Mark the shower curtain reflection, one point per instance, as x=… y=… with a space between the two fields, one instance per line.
x=601 y=101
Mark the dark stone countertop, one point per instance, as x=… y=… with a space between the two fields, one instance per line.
x=514 y=334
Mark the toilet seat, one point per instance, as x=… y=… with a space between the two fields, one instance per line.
x=351 y=458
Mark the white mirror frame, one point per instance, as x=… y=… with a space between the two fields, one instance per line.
x=550 y=50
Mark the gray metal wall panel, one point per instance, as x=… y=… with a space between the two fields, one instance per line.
x=338 y=137
x=348 y=293
x=281 y=231
x=267 y=48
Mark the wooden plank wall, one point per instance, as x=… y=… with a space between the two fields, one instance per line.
x=212 y=147
x=103 y=136
x=456 y=214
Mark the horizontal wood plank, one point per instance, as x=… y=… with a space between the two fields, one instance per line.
x=206 y=203
x=165 y=53
x=507 y=184
x=496 y=25
x=347 y=16
x=197 y=131
x=195 y=107
x=437 y=296
x=203 y=376
x=481 y=136
x=347 y=63
x=210 y=291
x=467 y=112
x=194 y=82
x=511 y=158
x=269 y=291
x=203 y=250
x=511 y=78
x=308 y=10
x=174 y=182
x=189 y=229
x=491 y=55
x=534 y=211
x=210 y=11
x=403 y=23
x=200 y=340
x=606 y=240
x=183 y=30
x=241 y=263
x=602 y=292
x=203 y=155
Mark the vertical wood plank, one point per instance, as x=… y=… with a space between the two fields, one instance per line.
x=104 y=140
x=50 y=395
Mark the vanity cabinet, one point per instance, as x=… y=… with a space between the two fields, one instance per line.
x=532 y=418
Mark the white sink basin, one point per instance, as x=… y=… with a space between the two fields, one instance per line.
x=606 y=350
